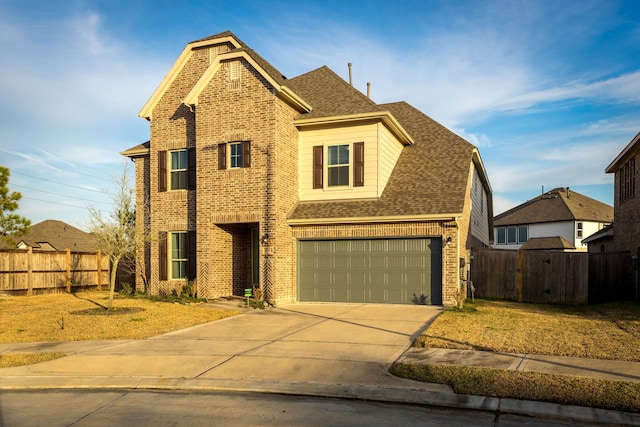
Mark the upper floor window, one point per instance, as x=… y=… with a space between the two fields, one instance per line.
x=338 y=165
x=234 y=155
x=579 y=230
x=177 y=170
x=628 y=180
x=343 y=168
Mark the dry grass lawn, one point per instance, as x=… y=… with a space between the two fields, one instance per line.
x=81 y=317
x=600 y=331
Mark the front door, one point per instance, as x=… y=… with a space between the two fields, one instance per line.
x=255 y=257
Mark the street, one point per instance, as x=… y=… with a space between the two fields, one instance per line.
x=155 y=408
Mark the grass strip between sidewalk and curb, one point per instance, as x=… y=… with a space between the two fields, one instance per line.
x=561 y=389
x=598 y=331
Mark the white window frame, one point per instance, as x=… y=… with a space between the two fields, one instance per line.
x=234 y=157
x=348 y=165
x=526 y=228
x=579 y=230
x=181 y=258
x=177 y=169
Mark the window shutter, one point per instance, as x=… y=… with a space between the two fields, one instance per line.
x=162 y=171
x=222 y=156
x=162 y=255
x=358 y=164
x=191 y=255
x=318 y=166
x=246 y=154
x=191 y=171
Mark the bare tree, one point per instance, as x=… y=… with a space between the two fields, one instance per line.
x=115 y=232
x=10 y=223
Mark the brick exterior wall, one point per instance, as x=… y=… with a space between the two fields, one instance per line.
x=626 y=215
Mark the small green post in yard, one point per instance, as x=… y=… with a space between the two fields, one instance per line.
x=247 y=294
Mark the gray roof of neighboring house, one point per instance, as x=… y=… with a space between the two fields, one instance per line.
x=546 y=243
x=559 y=204
x=59 y=235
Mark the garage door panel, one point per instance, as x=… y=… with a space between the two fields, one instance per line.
x=371 y=270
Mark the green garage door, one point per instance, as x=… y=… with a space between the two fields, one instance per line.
x=399 y=271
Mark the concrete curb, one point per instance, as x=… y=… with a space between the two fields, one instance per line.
x=435 y=395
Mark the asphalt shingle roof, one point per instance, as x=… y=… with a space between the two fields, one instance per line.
x=60 y=236
x=559 y=204
x=330 y=95
x=547 y=243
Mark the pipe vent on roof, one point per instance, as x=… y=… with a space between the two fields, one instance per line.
x=350 y=74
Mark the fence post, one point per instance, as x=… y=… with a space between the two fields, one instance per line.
x=99 y=270
x=67 y=260
x=519 y=280
x=30 y=271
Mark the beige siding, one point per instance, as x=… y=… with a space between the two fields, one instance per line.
x=479 y=211
x=390 y=149
x=336 y=135
x=381 y=151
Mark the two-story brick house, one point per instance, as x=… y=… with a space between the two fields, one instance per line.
x=304 y=188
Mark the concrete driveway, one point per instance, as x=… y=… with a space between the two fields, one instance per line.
x=311 y=343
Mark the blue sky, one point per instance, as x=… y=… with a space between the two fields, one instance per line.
x=549 y=91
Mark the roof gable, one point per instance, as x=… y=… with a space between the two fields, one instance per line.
x=559 y=204
x=174 y=71
x=270 y=74
x=624 y=154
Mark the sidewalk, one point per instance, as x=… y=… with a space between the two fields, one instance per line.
x=304 y=349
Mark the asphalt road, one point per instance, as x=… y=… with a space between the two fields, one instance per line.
x=144 y=408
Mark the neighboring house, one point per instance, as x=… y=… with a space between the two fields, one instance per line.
x=624 y=234
x=52 y=235
x=557 y=220
x=303 y=188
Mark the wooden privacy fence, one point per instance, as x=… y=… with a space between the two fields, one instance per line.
x=550 y=277
x=25 y=272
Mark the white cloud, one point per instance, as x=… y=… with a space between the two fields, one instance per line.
x=478 y=139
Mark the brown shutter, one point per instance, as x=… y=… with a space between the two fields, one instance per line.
x=222 y=155
x=318 y=166
x=162 y=171
x=163 y=257
x=246 y=154
x=358 y=164
x=191 y=254
x=191 y=171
